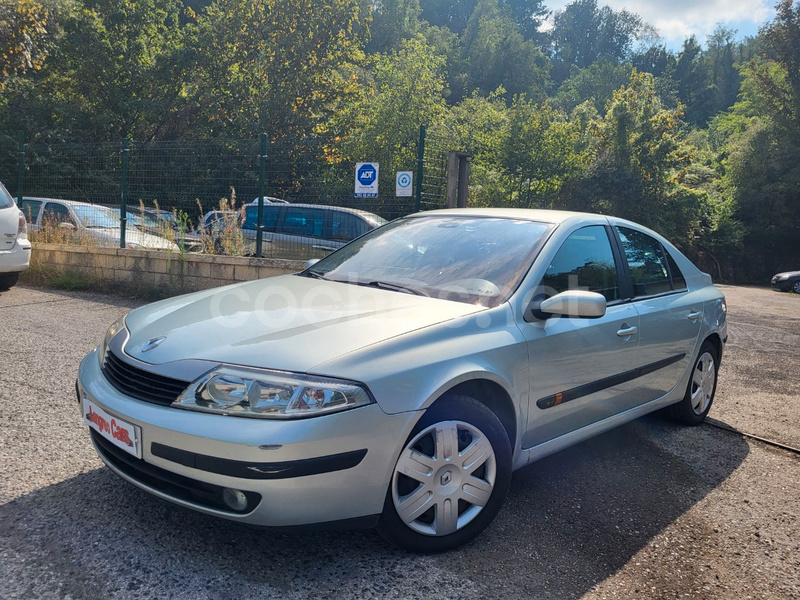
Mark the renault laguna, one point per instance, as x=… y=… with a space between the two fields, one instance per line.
x=399 y=381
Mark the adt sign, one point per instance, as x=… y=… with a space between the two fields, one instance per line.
x=366 y=180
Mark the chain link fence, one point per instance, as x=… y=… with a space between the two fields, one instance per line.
x=203 y=196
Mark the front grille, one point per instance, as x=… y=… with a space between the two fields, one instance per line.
x=169 y=483
x=141 y=384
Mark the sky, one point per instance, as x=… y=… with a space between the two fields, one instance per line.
x=678 y=19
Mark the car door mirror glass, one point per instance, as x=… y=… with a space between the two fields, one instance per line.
x=574 y=303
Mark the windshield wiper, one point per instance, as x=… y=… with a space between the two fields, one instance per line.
x=393 y=287
x=314 y=275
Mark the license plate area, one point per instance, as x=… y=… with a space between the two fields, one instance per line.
x=125 y=436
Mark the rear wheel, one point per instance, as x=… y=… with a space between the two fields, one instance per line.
x=694 y=407
x=451 y=478
x=8 y=280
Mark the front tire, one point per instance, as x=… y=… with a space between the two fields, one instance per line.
x=696 y=403
x=450 y=480
x=796 y=287
x=8 y=280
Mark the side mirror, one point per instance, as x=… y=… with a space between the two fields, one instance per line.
x=311 y=263
x=575 y=303
x=66 y=225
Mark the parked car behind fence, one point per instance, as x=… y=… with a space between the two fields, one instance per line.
x=87 y=224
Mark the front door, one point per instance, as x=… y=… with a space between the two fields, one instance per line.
x=579 y=367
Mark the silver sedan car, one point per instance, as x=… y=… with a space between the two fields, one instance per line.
x=399 y=381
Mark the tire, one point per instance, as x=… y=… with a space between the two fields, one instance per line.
x=795 y=287
x=696 y=403
x=427 y=482
x=8 y=280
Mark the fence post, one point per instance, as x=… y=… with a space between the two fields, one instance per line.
x=20 y=167
x=262 y=164
x=123 y=200
x=420 y=166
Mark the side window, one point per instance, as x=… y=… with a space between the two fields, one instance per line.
x=57 y=213
x=346 y=227
x=584 y=262
x=646 y=261
x=269 y=219
x=30 y=209
x=678 y=280
x=303 y=221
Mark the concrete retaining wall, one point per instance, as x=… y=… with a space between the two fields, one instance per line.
x=157 y=269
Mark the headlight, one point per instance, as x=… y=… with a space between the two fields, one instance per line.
x=781 y=277
x=244 y=392
x=115 y=328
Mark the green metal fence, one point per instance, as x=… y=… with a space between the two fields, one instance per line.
x=205 y=195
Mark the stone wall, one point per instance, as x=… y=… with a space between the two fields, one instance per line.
x=149 y=268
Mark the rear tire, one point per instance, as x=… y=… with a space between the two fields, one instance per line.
x=696 y=403
x=8 y=280
x=450 y=480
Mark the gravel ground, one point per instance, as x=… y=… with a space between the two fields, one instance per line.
x=649 y=510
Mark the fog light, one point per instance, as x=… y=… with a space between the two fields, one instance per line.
x=235 y=499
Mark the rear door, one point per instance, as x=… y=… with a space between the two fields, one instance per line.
x=9 y=220
x=670 y=316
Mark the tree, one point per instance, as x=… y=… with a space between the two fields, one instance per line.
x=406 y=91
x=583 y=34
x=392 y=22
x=23 y=37
x=596 y=83
x=495 y=54
x=639 y=162
x=281 y=66
x=529 y=16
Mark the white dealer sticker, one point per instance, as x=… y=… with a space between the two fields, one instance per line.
x=122 y=434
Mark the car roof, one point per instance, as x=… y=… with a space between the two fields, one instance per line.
x=526 y=214
x=354 y=211
x=68 y=202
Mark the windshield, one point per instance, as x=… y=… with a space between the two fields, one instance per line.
x=92 y=215
x=467 y=259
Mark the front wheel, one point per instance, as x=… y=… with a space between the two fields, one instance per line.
x=696 y=403
x=796 y=287
x=8 y=280
x=450 y=480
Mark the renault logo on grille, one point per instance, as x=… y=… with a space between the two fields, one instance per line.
x=154 y=343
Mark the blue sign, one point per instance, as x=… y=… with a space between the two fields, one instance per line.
x=366 y=174
x=366 y=180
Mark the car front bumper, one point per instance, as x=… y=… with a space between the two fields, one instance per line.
x=17 y=259
x=300 y=472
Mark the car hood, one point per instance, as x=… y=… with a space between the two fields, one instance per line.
x=134 y=236
x=787 y=274
x=288 y=323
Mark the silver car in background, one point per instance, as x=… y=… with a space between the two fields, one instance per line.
x=91 y=224
x=399 y=381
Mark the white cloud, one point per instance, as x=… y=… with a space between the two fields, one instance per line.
x=678 y=19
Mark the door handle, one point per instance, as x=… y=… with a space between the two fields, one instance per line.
x=627 y=332
x=693 y=316
x=323 y=248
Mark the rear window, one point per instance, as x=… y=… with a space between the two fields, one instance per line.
x=5 y=198
x=678 y=280
x=31 y=208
